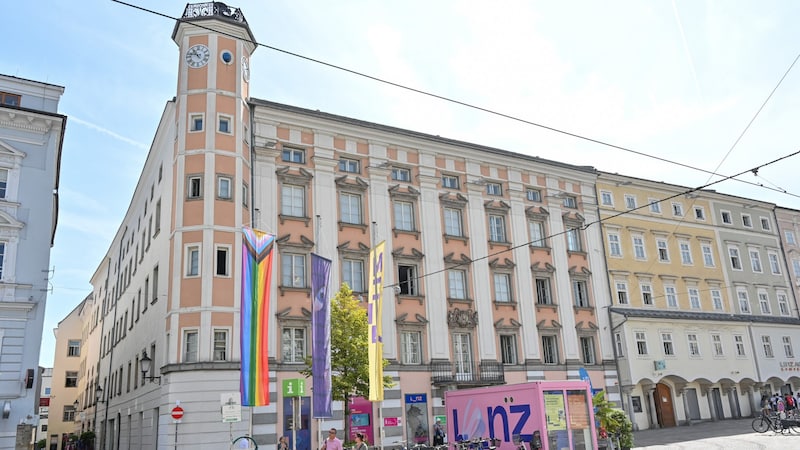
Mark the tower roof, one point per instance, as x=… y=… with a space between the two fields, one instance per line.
x=196 y=12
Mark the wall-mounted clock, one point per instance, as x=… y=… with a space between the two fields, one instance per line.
x=197 y=56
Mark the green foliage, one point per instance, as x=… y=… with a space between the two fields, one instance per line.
x=41 y=443
x=613 y=421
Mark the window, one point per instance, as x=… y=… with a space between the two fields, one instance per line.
x=790 y=237
x=190 y=346
x=293 y=270
x=613 y=245
x=2 y=258
x=157 y=216
x=196 y=121
x=537 y=236
x=222 y=262
x=677 y=209
x=401 y=174
x=783 y=304
x=587 y=350
x=755 y=261
x=220 y=345
x=766 y=344
x=641 y=343
x=71 y=379
x=494 y=189
x=404 y=216
x=456 y=284
x=606 y=198
x=663 y=251
x=655 y=206
x=686 y=253
x=694 y=298
x=155 y=284
x=3 y=182
x=462 y=350
x=533 y=195
x=618 y=345
x=224 y=188
x=708 y=255
x=747 y=222
x=69 y=414
x=765 y=224
x=716 y=299
x=787 y=346
x=736 y=262
x=411 y=347
x=192 y=261
x=549 y=350
x=74 y=348
x=638 y=247
x=450 y=182
x=795 y=266
x=508 y=348
x=647 y=294
x=580 y=293
x=738 y=341
x=726 y=217
x=574 y=240
x=699 y=213
x=245 y=195
x=666 y=343
x=294 y=345
x=694 y=346
x=543 y=296
x=672 y=296
x=630 y=201
x=293 y=200
x=224 y=125
x=622 y=292
x=407 y=279
x=194 y=186
x=502 y=287
x=744 y=302
x=350 y=208
x=293 y=155
x=8 y=99
x=353 y=274
x=716 y=343
x=570 y=202
x=452 y=222
x=763 y=302
x=349 y=165
x=774 y=264
x=497 y=228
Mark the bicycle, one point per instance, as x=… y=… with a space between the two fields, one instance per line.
x=773 y=421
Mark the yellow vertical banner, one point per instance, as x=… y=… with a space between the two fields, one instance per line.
x=374 y=316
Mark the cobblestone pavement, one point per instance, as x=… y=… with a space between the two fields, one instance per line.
x=725 y=434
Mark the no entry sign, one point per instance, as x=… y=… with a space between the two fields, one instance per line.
x=177 y=413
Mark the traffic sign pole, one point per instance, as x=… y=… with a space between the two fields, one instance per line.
x=177 y=415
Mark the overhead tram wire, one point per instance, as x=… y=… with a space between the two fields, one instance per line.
x=457 y=102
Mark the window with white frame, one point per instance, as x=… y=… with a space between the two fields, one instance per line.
x=293 y=155
x=570 y=202
x=224 y=187
x=630 y=201
x=699 y=213
x=618 y=345
x=694 y=346
x=407 y=279
x=744 y=301
x=220 y=345
x=694 y=298
x=747 y=221
x=796 y=266
x=534 y=195
x=686 y=252
x=763 y=301
x=225 y=125
x=765 y=225
x=194 y=186
x=647 y=293
x=708 y=255
x=606 y=198
x=716 y=299
x=671 y=295
x=502 y=287
x=457 y=284
x=667 y=344
x=587 y=350
x=655 y=205
x=190 y=346
x=293 y=345
x=222 y=262
x=196 y=122
x=68 y=414
x=410 y=347
x=580 y=293
x=293 y=200
x=574 y=243
x=494 y=189
x=452 y=222
x=790 y=237
x=736 y=261
x=497 y=228
x=766 y=344
x=549 y=349
x=537 y=235
x=755 y=261
x=622 y=292
x=350 y=205
x=677 y=209
x=543 y=294
x=404 y=216
x=774 y=263
x=401 y=174
x=787 y=346
x=349 y=165
x=738 y=341
x=638 y=247
x=716 y=343
x=641 y=343
x=3 y=183
x=192 y=261
x=783 y=303
x=613 y=245
x=353 y=274
x=73 y=347
x=293 y=270
x=508 y=349
x=663 y=250
x=2 y=259
x=450 y=182
x=726 y=217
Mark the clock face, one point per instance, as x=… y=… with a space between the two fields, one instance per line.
x=245 y=69
x=197 y=56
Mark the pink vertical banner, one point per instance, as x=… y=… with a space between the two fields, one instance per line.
x=361 y=419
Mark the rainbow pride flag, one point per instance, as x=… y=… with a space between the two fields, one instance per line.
x=256 y=276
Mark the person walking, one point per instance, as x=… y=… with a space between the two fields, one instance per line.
x=283 y=443
x=360 y=444
x=438 y=433
x=332 y=443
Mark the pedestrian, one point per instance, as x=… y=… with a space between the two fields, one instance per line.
x=332 y=443
x=438 y=433
x=781 y=408
x=360 y=444
x=283 y=443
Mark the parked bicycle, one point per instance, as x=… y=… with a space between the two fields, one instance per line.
x=478 y=444
x=773 y=421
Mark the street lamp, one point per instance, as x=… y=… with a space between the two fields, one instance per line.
x=98 y=394
x=146 y=362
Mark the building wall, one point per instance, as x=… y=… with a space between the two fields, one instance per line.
x=64 y=418
x=788 y=221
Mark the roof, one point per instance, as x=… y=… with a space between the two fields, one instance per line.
x=705 y=316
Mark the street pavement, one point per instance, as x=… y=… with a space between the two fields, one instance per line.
x=724 y=434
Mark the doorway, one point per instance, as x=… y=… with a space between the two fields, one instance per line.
x=665 y=413
x=733 y=399
x=690 y=396
x=716 y=399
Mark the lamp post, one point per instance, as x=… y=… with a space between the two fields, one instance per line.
x=146 y=362
x=98 y=397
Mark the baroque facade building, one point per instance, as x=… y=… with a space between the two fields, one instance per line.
x=31 y=138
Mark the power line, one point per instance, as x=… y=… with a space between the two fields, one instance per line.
x=454 y=101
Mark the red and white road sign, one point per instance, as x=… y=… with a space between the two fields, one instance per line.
x=177 y=413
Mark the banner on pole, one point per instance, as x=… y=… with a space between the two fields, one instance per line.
x=374 y=316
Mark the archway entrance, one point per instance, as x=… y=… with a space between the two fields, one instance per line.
x=665 y=412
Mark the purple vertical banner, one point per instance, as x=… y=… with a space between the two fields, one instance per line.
x=321 y=336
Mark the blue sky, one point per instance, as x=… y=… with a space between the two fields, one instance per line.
x=677 y=79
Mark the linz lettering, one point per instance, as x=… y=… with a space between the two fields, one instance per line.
x=523 y=413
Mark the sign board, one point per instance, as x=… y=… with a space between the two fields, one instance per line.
x=294 y=387
x=231 y=407
x=441 y=419
x=177 y=413
x=391 y=421
x=416 y=398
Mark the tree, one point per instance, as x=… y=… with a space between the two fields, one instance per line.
x=614 y=424
x=349 y=352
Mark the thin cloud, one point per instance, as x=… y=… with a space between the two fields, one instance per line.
x=108 y=132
